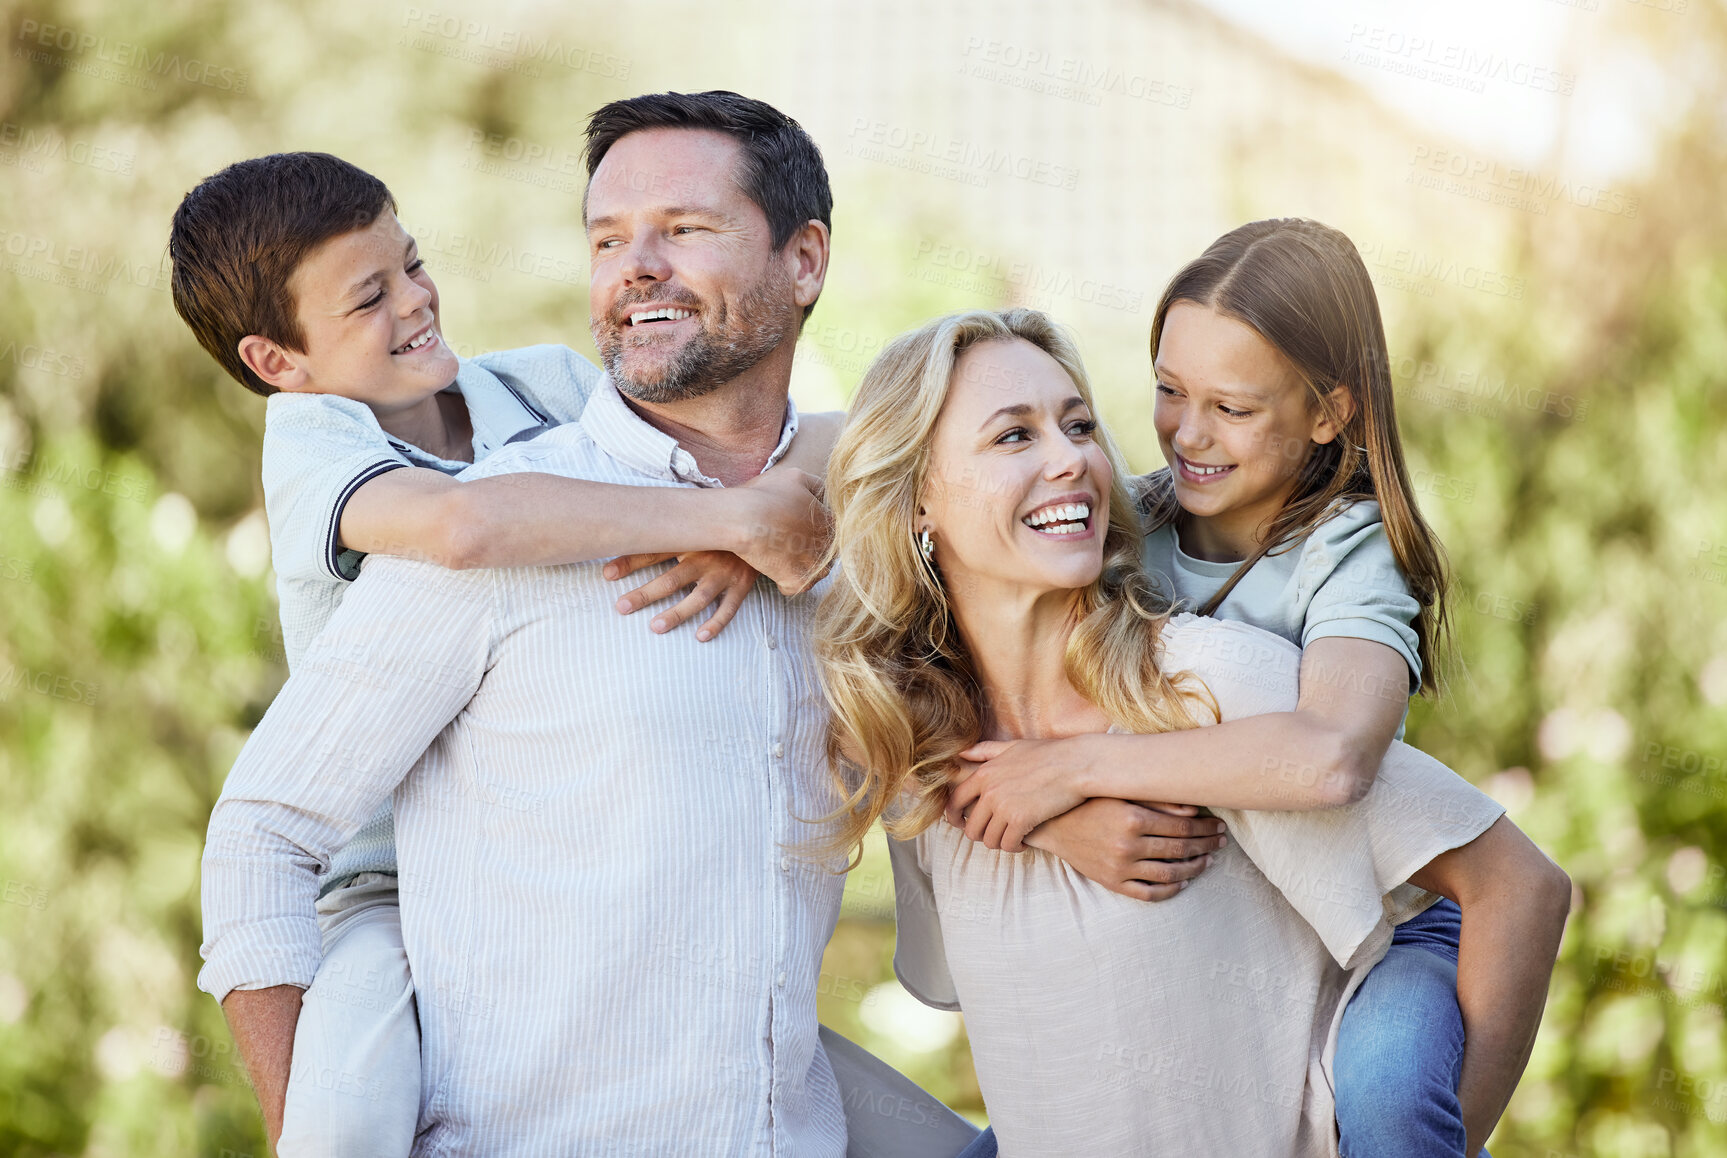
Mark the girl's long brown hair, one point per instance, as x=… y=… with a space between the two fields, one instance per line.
x=1303 y=287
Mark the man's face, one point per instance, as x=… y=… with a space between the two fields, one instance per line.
x=687 y=292
x=363 y=299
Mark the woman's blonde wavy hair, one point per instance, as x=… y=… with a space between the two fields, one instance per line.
x=905 y=697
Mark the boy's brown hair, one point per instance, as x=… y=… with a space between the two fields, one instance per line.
x=239 y=236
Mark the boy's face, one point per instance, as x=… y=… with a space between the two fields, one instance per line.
x=368 y=312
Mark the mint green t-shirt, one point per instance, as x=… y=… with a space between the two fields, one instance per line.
x=1342 y=580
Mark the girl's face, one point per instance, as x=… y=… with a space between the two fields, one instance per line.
x=1017 y=495
x=1234 y=419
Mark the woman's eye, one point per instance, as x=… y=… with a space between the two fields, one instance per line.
x=1235 y=413
x=1165 y=390
x=417 y=265
x=376 y=298
x=1017 y=434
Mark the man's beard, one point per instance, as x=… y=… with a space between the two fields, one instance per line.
x=725 y=347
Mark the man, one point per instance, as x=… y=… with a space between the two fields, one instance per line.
x=613 y=936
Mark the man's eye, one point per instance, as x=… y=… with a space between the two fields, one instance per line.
x=374 y=300
x=685 y=229
x=416 y=265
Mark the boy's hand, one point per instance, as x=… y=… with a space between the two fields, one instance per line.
x=1145 y=851
x=716 y=575
x=786 y=529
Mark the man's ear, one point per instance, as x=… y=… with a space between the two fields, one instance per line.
x=807 y=250
x=1326 y=428
x=269 y=361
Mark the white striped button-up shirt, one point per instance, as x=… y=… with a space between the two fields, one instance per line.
x=613 y=940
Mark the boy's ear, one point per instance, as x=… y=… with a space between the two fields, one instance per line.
x=269 y=361
x=1342 y=406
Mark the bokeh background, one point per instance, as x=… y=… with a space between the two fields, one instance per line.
x=1535 y=185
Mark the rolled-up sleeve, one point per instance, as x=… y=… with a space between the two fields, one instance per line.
x=1364 y=595
x=401 y=658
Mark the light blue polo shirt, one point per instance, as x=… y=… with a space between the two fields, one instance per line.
x=1342 y=580
x=320 y=448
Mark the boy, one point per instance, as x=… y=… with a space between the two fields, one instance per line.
x=293 y=272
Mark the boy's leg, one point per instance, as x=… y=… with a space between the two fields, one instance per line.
x=354 y=1085
x=1400 y=1048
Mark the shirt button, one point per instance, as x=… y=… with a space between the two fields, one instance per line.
x=772 y=643
x=786 y=863
x=779 y=751
x=782 y=981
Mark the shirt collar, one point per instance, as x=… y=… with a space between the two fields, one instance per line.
x=497 y=410
x=633 y=441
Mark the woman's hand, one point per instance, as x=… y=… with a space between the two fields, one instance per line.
x=717 y=575
x=1010 y=787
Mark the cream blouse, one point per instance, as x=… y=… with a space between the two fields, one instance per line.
x=1203 y=1024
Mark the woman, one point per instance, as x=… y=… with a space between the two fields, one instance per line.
x=991 y=586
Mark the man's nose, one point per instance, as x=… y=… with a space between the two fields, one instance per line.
x=645 y=260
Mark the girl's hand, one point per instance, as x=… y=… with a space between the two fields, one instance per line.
x=717 y=575
x=1008 y=788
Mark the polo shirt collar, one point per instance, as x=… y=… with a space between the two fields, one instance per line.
x=499 y=412
x=633 y=441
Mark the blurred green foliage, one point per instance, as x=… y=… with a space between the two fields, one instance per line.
x=1571 y=448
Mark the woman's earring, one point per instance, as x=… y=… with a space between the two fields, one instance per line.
x=926 y=545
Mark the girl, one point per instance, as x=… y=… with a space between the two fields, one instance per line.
x=991 y=583
x=1287 y=505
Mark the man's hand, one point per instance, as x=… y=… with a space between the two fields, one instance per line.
x=715 y=575
x=1145 y=851
x=263 y=1022
x=1010 y=787
x=786 y=529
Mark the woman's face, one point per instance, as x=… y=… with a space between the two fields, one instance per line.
x=1018 y=489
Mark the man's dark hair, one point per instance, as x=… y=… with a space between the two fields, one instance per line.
x=240 y=235
x=781 y=170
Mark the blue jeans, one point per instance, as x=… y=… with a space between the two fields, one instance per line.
x=1400 y=1048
